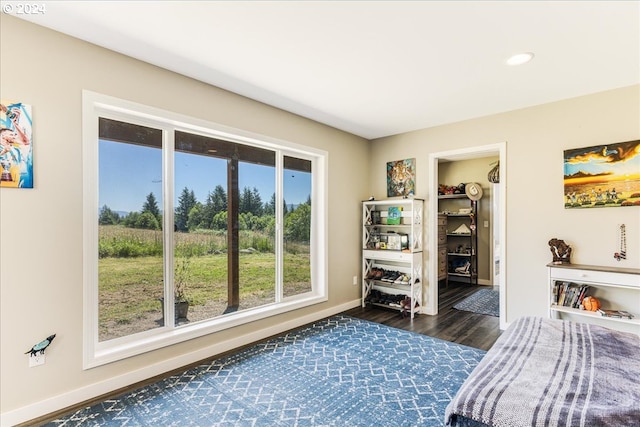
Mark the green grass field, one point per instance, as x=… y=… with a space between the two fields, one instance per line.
x=131 y=286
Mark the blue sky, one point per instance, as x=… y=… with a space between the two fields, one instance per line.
x=128 y=173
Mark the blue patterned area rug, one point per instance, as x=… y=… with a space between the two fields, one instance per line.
x=483 y=301
x=340 y=371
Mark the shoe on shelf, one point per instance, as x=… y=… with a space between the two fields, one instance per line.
x=406 y=303
x=464 y=269
x=402 y=279
x=375 y=273
x=390 y=277
x=396 y=300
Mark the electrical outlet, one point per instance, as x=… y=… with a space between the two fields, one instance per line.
x=355 y=280
x=36 y=360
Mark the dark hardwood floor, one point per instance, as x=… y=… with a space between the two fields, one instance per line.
x=462 y=327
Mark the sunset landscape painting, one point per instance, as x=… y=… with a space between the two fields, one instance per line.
x=602 y=176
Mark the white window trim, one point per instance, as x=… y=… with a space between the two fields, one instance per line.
x=96 y=105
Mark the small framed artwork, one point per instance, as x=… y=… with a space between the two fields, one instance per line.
x=16 y=146
x=602 y=176
x=401 y=178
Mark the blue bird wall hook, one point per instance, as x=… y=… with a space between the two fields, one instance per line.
x=41 y=346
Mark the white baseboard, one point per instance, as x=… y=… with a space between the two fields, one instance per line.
x=74 y=397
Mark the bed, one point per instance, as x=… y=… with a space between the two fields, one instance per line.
x=551 y=372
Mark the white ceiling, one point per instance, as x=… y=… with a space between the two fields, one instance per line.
x=373 y=68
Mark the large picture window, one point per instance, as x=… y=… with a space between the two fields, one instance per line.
x=191 y=228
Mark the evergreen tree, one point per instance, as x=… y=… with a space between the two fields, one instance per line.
x=250 y=201
x=151 y=206
x=245 y=200
x=186 y=202
x=256 y=202
x=108 y=217
x=216 y=202
x=208 y=211
x=219 y=199
x=270 y=207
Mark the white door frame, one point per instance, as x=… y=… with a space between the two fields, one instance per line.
x=500 y=149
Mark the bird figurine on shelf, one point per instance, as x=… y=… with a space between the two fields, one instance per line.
x=41 y=346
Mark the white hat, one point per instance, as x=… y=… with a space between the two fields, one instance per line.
x=473 y=191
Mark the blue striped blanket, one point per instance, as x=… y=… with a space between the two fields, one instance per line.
x=548 y=372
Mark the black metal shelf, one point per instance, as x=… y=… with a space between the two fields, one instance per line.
x=456 y=219
x=452 y=196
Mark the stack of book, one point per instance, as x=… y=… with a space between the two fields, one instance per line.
x=569 y=294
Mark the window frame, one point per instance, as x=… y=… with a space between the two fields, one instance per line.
x=97 y=105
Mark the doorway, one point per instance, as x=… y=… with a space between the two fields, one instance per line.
x=499 y=149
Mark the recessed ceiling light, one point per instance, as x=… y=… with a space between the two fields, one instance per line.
x=520 y=58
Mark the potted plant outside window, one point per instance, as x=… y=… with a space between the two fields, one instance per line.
x=181 y=275
x=180 y=278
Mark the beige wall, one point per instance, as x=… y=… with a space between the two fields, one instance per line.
x=41 y=228
x=535 y=140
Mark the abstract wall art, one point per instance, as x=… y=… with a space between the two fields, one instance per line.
x=16 y=145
